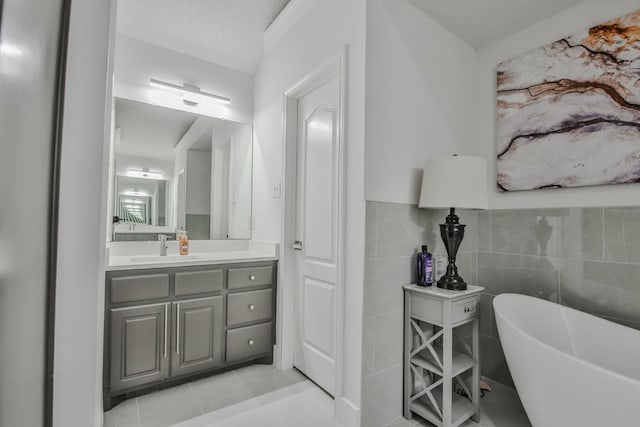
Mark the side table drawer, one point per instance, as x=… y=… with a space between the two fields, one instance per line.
x=427 y=309
x=464 y=309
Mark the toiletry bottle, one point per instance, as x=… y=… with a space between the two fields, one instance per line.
x=425 y=267
x=184 y=243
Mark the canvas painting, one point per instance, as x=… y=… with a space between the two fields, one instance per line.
x=569 y=112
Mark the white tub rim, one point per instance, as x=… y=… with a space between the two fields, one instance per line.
x=509 y=295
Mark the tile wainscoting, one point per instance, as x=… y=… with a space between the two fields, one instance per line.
x=586 y=258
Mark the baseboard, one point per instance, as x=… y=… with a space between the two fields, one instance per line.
x=347 y=413
x=277 y=357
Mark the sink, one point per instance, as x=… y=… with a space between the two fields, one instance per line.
x=167 y=258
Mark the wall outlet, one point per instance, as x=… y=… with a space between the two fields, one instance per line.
x=275 y=190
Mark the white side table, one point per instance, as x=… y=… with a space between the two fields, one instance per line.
x=436 y=355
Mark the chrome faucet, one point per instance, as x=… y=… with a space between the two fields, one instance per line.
x=163 y=244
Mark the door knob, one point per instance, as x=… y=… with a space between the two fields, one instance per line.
x=252 y=307
x=297 y=245
x=252 y=277
x=251 y=342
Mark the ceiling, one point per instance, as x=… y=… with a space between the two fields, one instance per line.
x=482 y=22
x=226 y=32
x=150 y=131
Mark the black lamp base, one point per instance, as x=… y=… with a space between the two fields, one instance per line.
x=452 y=282
x=452 y=233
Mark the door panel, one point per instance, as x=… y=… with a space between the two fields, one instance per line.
x=320 y=209
x=138 y=345
x=319 y=300
x=197 y=342
x=317 y=202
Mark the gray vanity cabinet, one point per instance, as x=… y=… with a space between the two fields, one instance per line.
x=167 y=326
x=139 y=340
x=197 y=343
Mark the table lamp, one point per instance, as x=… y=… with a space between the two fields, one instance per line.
x=453 y=182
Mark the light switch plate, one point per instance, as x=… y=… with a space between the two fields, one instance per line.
x=275 y=190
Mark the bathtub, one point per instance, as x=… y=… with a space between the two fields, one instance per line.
x=570 y=368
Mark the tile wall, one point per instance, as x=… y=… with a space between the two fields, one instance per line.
x=394 y=234
x=586 y=258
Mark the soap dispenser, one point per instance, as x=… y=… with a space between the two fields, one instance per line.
x=425 y=267
x=184 y=243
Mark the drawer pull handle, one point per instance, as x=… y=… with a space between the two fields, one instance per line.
x=252 y=307
x=467 y=309
x=252 y=277
x=251 y=342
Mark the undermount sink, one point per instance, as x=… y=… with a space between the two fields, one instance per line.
x=166 y=258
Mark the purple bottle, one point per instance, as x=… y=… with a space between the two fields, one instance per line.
x=425 y=267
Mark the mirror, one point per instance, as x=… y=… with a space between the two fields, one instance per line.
x=178 y=170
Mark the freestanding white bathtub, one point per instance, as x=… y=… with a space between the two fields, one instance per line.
x=570 y=368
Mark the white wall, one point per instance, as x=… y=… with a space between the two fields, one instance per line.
x=81 y=242
x=321 y=31
x=198 y=182
x=563 y=24
x=136 y=62
x=420 y=97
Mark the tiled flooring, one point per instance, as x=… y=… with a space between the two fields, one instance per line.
x=499 y=408
x=299 y=405
x=174 y=405
x=262 y=395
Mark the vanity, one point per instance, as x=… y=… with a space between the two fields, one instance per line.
x=169 y=320
x=172 y=318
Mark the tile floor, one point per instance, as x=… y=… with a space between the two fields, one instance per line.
x=262 y=395
x=174 y=405
x=299 y=405
x=499 y=408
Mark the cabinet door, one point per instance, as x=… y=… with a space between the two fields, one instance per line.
x=197 y=341
x=139 y=340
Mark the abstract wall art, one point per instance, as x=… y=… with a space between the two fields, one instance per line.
x=568 y=113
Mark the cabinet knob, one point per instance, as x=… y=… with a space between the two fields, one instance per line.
x=251 y=342
x=252 y=307
x=252 y=277
x=467 y=309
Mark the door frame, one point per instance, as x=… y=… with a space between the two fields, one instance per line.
x=336 y=66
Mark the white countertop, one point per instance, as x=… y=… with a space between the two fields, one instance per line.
x=142 y=255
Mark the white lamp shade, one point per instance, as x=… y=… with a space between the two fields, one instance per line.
x=454 y=182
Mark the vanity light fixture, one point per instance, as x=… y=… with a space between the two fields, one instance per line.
x=134 y=192
x=144 y=173
x=188 y=89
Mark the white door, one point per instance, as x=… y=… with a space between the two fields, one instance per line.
x=317 y=199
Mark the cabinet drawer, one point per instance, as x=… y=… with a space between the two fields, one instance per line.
x=464 y=309
x=250 y=276
x=247 y=307
x=427 y=309
x=243 y=343
x=198 y=282
x=139 y=288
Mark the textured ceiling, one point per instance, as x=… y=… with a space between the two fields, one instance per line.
x=482 y=22
x=226 y=32
x=149 y=131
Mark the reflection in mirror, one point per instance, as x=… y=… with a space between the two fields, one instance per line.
x=142 y=201
x=177 y=170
